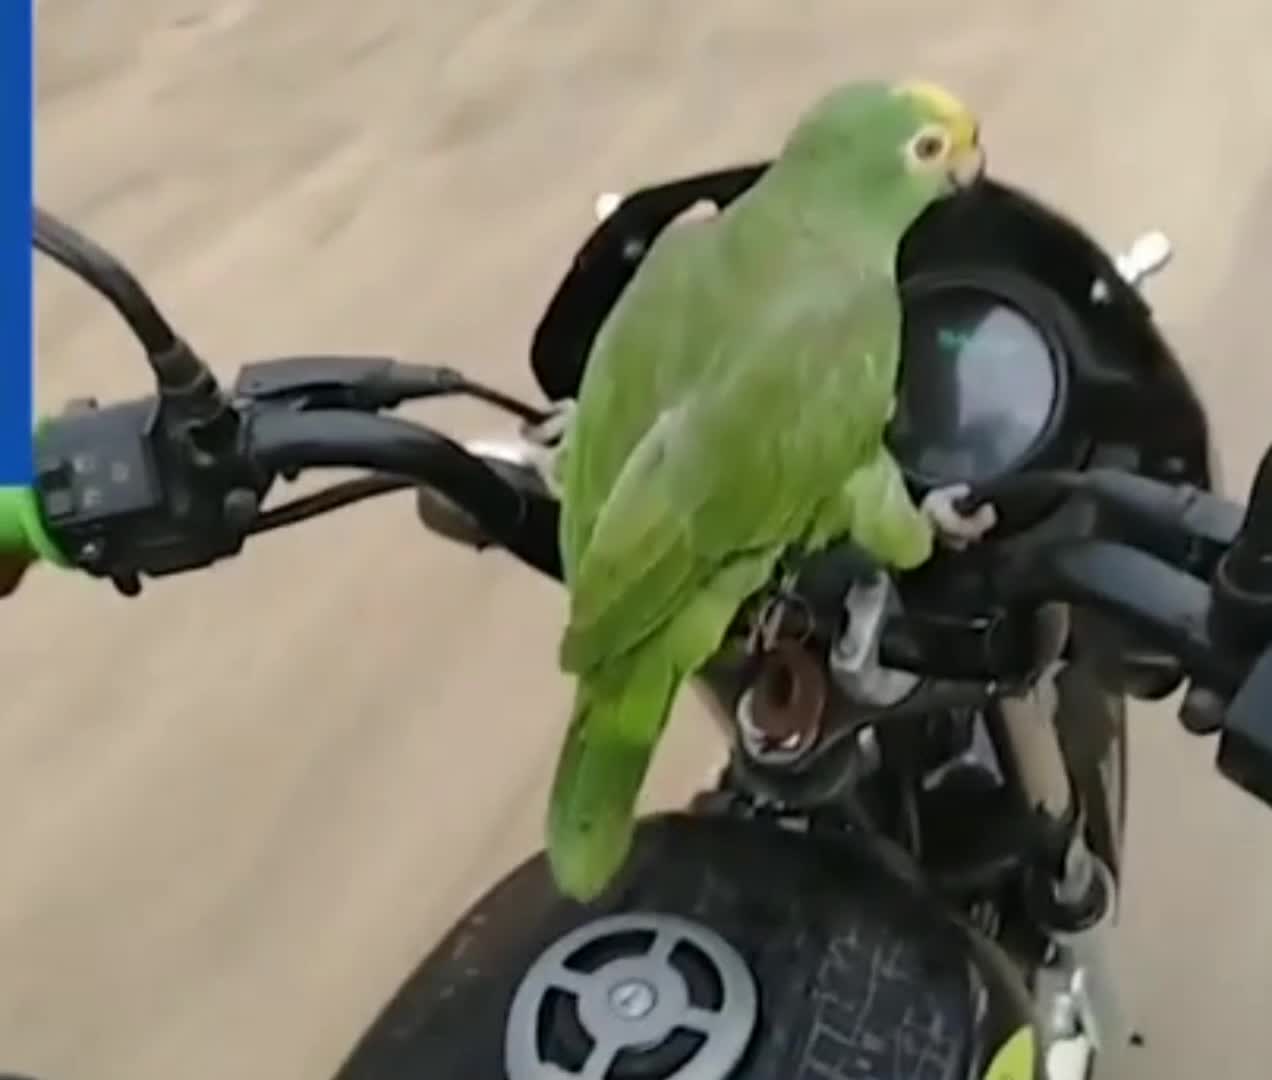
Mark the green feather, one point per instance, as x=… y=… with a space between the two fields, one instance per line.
x=614 y=727
x=620 y=710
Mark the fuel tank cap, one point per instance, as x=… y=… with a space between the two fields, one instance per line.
x=642 y=995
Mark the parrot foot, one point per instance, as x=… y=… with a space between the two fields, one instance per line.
x=544 y=442
x=956 y=529
x=550 y=431
x=766 y=626
x=546 y=462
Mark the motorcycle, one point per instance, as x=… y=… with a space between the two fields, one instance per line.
x=910 y=864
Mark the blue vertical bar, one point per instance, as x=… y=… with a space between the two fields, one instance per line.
x=16 y=465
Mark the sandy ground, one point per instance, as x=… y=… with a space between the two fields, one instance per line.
x=239 y=809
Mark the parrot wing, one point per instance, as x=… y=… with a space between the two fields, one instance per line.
x=628 y=377
x=747 y=462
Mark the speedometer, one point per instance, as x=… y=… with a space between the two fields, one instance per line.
x=980 y=386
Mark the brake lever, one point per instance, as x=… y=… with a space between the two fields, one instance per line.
x=366 y=384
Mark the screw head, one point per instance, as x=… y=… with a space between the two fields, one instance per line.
x=90 y=553
x=633 y=999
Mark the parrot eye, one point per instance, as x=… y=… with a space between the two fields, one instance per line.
x=929 y=145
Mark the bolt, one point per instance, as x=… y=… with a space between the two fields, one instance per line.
x=90 y=553
x=869 y=748
x=1064 y=1016
x=633 y=999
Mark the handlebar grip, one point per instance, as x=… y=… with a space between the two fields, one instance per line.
x=1256 y=529
x=22 y=530
x=1242 y=609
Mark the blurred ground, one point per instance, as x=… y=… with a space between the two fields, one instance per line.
x=239 y=809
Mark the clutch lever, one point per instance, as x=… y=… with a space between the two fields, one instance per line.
x=365 y=384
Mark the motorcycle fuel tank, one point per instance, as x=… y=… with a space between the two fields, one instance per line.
x=728 y=950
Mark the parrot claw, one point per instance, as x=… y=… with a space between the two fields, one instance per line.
x=550 y=431
x=544 y=461
x=522 y=452
x=956 y=529
x=545 y=441
x=766 y=627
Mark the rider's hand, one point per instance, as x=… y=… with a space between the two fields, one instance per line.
x=12 y=567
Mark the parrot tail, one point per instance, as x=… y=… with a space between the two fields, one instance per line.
x=619 y=713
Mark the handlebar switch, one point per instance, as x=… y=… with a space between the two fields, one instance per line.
x=125 y=494
x=94 y=467
x=1245 y=745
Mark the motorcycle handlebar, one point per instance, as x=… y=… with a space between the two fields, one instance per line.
x=175 y=482
x=175 y=512
x=1160 y=603
x=282 y=441
x=122 y=492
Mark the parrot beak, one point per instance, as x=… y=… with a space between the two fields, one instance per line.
x=966 y=156
x=967 y=166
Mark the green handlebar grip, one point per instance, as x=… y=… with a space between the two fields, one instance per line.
x=22 y=530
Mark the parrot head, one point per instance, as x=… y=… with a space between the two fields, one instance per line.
x=882 y=142
x=948 y=139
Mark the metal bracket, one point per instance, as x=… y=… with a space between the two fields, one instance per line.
x=854 y=657
x=1148 y=255
x=606 y=203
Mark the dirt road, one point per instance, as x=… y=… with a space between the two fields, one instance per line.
x=238 y=809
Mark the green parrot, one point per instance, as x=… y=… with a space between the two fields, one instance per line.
x=733 y=409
